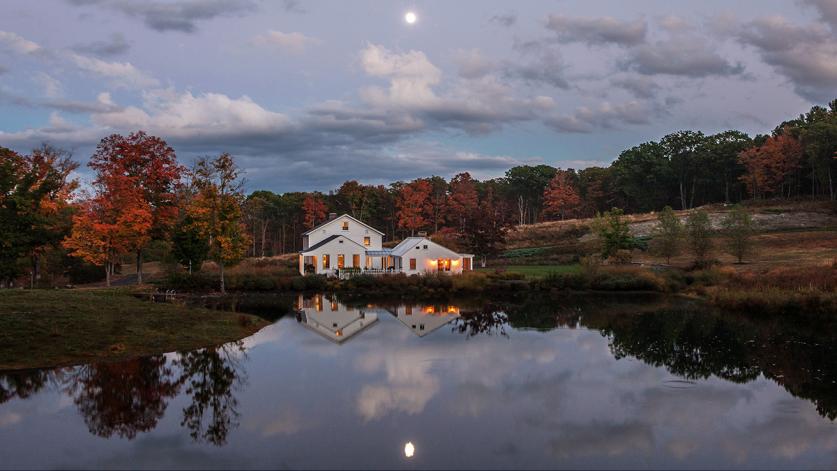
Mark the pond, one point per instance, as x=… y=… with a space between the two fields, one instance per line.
x=537 y=383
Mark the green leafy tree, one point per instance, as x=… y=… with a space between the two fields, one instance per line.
x=668 y=234
x=644 y=175
x=189 y=247
x=613 y=232
x=699 y=235
x=738 y=229
x=216 y=210
x=35 y=191
x=526 y=184
x=686 y=153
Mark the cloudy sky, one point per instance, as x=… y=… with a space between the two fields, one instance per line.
x=309 y=94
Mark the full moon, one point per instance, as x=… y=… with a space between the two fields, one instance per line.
x=410 y=17
x=409 y=450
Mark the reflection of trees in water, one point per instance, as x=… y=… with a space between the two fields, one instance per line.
x=123 y=398
x=688 y=339
x=22 y=384
x=488 y=320
x=695 y=342
x=129 y=397
x=210 y=377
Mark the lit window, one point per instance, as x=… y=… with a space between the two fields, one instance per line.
x=408 y=310
x=412 y=264
x=341 y=260
x=356 y=260
x=345 y=225
x=326 y=262
x=367 y=241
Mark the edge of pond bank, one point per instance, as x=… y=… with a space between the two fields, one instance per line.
x=64 y=328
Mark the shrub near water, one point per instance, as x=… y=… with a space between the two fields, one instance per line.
x=609 y=279
x=807 y=291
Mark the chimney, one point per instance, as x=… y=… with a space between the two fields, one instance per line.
x=422 y=233
x=332 y=216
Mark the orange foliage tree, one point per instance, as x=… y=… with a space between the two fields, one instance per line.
x=769 y=167
x=153 y=166
x=412 y=205
x=462 y=201
x=560 y=198
x=117 y=220
x=215 y=211
x=315 y=210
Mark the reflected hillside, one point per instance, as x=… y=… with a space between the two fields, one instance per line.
x=694 y=342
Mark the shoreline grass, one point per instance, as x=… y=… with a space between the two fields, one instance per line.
x=52 y=328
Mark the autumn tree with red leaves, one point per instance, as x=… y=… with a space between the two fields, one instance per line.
x=462 y=201
x=412 y=205
x=561 y=198
x=315 y=210
x=768 y=168
x=152 y=166
x=115 y=221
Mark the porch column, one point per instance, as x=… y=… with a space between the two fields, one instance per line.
x=301 y=264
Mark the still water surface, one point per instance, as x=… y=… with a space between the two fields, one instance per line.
x=535 y=384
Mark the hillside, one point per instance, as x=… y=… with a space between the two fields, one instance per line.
x=786 y=232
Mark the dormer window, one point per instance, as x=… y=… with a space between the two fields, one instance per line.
x=425 y=247
x=367 y=241
x=345 y=225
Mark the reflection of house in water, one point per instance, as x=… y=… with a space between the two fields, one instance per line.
x=333 y=320
x=425 y=319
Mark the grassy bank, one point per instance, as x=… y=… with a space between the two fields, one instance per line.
x=41 y=328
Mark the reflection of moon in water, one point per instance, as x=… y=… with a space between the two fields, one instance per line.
x=410 y=17
x=409 y=450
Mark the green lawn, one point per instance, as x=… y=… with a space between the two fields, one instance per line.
x=42 y=328
x=538 y=271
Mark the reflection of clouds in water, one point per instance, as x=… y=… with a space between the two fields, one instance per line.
x=165 y=452
x=9 y=418
x=603 y=438
x=285 y=421
x=409 y=384
x=412 y=371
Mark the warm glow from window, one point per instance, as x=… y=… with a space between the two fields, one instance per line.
x=367 y=241
x=341 y=260
x=326 y=261
x=345 y=225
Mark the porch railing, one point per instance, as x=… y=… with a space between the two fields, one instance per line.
x=346 y=274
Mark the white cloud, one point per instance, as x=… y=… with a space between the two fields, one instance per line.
x=184 y=115
x=287 y=42
x=18 y=44
x=411 y=75
x=51 y=86
x=472 y=63
x=121 y=74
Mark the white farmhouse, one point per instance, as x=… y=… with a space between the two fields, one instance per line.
x=346 y=243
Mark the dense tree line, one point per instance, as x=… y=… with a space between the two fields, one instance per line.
x=684 y=170
x=141 y=196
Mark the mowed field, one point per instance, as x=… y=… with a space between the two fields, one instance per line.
x=787 y=234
